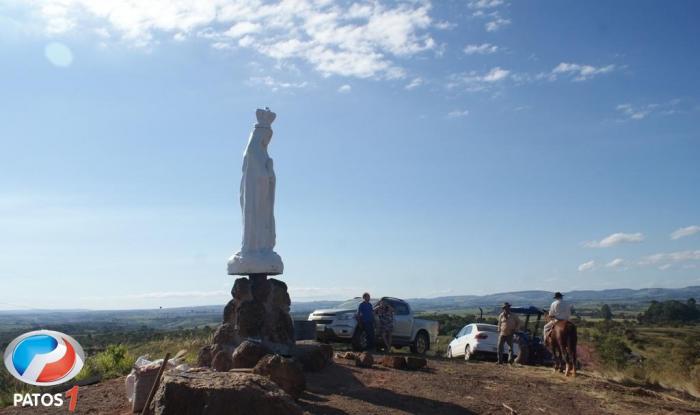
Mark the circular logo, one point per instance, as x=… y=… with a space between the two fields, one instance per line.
x=44 y=358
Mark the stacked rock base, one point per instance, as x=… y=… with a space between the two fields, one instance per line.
x=255 y=339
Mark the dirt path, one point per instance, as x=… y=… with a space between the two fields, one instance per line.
x=458 y=387
x=445 y=388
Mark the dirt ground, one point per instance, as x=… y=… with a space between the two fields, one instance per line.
x=444 y=388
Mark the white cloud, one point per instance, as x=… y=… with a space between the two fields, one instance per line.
x=587 y=266
x=496 y=24
x=633 y=113
x=276 y=85
x=670 y=258
x=344 y=89
x=485 y=4
x=415 y=83
x=482 y=49
x=615 y=239
x=473 y=81
x=640 y=112
x=457 y=113
x=616 y=263
x=577 y=71
x=357 y=40
x=683 y=232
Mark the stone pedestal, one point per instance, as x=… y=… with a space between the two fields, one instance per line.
x=258 y=313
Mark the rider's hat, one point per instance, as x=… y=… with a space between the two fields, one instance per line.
x=506 y=305
x=558 y=295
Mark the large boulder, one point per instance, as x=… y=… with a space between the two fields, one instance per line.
x=285 y=372
x=203 y=392
x=364 y=359
x=313 y=355
x=394 y=362
x=247 y=354
x=415 y=363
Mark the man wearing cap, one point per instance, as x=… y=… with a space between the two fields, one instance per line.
x=508 y=324
x=558 y=311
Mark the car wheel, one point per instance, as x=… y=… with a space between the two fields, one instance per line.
x=421 y=343
x=468 y=354
x=359 y=341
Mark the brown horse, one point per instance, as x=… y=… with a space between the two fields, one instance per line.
x=561 y=342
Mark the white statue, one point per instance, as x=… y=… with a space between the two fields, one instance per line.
x=257 y=205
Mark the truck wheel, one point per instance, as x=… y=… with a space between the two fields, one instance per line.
x=359 y=341
x=421 y=343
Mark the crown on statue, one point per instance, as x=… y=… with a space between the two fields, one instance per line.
x=265 y=117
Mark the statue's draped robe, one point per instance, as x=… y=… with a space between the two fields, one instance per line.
x=258 y=194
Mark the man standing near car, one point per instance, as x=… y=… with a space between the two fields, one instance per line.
x=365 y=317
x=508 y=324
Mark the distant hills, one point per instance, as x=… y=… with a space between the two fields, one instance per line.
x=203 y=314
x=537 y=298
x=544 y=298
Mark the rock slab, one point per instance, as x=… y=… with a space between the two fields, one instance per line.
x=285 y=372
x=203 y=392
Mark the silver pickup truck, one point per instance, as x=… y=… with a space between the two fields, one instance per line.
x=339 y=325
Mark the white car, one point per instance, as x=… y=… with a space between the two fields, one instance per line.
x=477 y=339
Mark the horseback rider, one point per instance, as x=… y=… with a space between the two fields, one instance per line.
x=560 y=310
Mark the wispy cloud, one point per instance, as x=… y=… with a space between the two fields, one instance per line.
x=640 y=112
x=617 y=263
x=276 y=85
x=496 y=24
x=666 y=260
x=482 y=49
x=615 y=239
x=474 y=81
x=344 y=89
x=415 y=83
x=684 y=232
x=587 y=266
x=348 y=39
x=485 y=4
x=457 y=113
x=576 y=72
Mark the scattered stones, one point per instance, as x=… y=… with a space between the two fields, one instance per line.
x=364 y=359
x=346 y=355
x=247 y=354
x=285 y=372
x=313 y=355
x=394 y=362
x=208 y=393
x=204 y=357
x=415 y=363
x=222 y=361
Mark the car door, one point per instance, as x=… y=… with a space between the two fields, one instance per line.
x=466 y=337
x=403 y=321
x=457 y=344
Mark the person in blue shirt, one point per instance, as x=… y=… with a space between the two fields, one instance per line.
x=365 y=316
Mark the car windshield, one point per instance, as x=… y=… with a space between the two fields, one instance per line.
x=486 y=327
x=353 y=303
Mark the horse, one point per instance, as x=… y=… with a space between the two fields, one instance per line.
x=561 y=342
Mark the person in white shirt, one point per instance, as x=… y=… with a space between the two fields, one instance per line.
x=558 y=311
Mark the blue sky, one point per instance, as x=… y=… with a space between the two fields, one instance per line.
x=421 y=149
